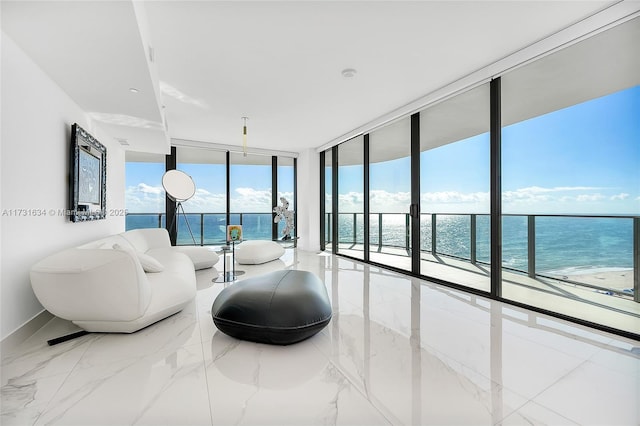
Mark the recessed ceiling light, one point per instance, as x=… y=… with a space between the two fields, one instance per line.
x=348 y=72
x=133 y=90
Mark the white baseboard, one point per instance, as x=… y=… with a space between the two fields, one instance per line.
x=12 y=341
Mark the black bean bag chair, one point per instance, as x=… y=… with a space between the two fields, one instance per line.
x=278 y=308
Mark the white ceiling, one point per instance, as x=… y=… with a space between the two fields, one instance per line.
x=278 y=63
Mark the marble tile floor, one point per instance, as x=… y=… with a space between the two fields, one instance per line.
x=546 y=293
x=398 y=351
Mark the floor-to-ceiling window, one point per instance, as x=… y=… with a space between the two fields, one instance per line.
x=250 y=184
x=328 y=198
x=206 y=211
x=552 y=148
x=246 y=198
x=351 y=198
x=390 y=195
x=285 y=183
x=144 y=194
x=571 y=180
x=454 y=189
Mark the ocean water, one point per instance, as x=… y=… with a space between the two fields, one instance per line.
x=564 y=245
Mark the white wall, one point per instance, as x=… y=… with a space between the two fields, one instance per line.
x=309 y=200
x=36 y=126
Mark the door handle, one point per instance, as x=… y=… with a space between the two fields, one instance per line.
x=414 y=211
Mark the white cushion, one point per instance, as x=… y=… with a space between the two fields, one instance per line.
x=254 y=252
x=149 y=264
x=146 y=239
x=107 y=243
x=127 y=249
x=202 y=257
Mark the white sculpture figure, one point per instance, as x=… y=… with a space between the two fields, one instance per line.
x=283 y=213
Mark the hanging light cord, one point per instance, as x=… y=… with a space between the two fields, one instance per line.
x=244 y=136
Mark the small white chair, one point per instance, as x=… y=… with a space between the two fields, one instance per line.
x=255 y=252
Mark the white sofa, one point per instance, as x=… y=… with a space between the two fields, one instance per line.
x=102 y=286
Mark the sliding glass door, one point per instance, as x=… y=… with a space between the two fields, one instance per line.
x=285 y=184
x=351 y=198
x=328 y=199
x=390 y=195
x=454 y=190
x=528 y=186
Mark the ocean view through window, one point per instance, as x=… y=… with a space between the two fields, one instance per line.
x=571 y=170
x=206 y=212
x=144 y=195
x=561 y=167
x=571 y=208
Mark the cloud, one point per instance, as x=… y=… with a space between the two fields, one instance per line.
x=569 y=188
x=383 y=201
x=243 y=200
x=590 y=197
x=621 y=196
x=148 y=189
x=535 y=195
x=454 y=197
x=251 y=200
x=541 y=190
x=528 y=199
x=143 y=198
x=562 y=199
x=204 y=201
x=351 y=202
x=398 y=202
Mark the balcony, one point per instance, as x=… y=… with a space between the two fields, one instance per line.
x=579 y=265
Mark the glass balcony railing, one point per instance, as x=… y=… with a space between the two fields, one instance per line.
x=207 y=228
x=562 y=247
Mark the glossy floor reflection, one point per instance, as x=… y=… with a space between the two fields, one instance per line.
x=397 y=351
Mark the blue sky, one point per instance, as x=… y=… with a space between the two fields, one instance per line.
x=581 y=159
x=144 y=193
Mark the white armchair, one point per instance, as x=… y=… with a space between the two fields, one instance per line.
x=105 y=289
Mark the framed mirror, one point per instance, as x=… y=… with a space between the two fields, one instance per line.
x=87 y=177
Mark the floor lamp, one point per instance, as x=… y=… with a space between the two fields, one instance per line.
x=179 y=187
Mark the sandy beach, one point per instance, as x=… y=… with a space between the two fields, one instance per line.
x=616 y=280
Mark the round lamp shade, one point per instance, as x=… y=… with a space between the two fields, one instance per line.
x=178 y=185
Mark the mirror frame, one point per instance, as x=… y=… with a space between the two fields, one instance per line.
x=87 y=185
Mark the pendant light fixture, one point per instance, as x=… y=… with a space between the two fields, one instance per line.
x=244 y=135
